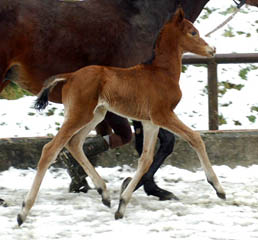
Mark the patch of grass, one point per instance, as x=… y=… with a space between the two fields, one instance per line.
x=207 y=12
x=228 y=32
x=13 y=91
x=237 y=123
x=226 y=85
x=251 y=118
x=51 y=111
x=222 y=120
x=244 y=71
x=254 y=109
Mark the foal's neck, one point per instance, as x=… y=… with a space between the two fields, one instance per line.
x=168 y=53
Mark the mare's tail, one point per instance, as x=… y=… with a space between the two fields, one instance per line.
x=50 y=83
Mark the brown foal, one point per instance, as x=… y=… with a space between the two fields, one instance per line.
x=145 y=92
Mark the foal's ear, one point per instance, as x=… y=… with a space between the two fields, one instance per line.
x=179 y=15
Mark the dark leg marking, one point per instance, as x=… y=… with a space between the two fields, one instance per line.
x=106 y=202
x=19 y=220
x=125 y=184
x=220 y=195
x=118 y=215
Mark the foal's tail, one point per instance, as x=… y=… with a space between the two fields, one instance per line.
x=42 y=100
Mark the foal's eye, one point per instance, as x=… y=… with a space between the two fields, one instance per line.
x=193 y=33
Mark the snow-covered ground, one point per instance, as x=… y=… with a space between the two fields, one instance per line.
x=199 y=214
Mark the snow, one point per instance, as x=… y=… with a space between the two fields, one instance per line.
x=199 y=214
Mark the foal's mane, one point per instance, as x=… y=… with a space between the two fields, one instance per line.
x=162 y=32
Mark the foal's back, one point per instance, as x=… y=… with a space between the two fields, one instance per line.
x=133 y=92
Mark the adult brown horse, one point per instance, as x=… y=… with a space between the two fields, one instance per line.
x=40 y=38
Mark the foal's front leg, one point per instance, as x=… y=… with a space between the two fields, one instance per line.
x=150 y=138
x=171 y=122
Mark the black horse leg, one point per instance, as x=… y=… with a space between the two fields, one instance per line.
x=121 y=132
x=167 y=141
x=77 y=174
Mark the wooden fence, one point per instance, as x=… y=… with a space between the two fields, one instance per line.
x=212 y=64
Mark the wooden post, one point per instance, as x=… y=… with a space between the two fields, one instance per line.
x=213 y=95
x=213 y=78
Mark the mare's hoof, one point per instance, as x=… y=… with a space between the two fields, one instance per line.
x=152 y=189
x=118 y=215
x=76 y=187
x=3 y=203
x=20 y=219
x=166 y=195
x=125 y=184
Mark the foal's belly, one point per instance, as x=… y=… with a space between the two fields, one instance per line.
x=128 y=109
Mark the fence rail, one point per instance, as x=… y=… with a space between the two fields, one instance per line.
x=212 y=64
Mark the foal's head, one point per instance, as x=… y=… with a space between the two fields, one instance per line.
x=188 y=36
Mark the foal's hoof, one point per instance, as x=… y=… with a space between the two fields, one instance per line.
x=221 y=195
x=118 y=215
x=20 y=219
x=219 y=190
x=106 y=202
x=152 y=189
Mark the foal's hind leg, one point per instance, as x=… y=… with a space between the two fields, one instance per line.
x=150 y=138
x=172 y=123
x=48 y=156
x=75 y=147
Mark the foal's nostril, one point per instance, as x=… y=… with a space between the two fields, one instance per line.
x=212 y=51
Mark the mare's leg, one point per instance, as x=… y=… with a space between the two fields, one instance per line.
x=75 y=171
x=122 y=133
x=171 y=122
x=75 y=147
x=167 y=141
x=48 y=156
x=92 y=147
x=150 y=138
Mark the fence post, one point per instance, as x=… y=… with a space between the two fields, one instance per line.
x=213 y=95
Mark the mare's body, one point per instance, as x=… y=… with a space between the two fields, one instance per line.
x=40 y=38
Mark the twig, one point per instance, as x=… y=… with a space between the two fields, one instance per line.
x=224 y=23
